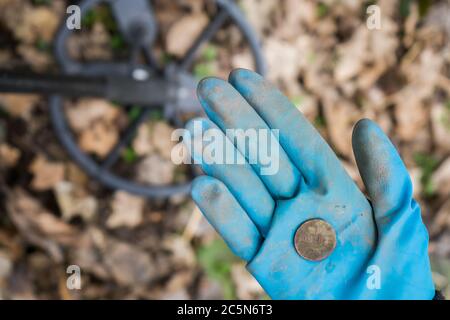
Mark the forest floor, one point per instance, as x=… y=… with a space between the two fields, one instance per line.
x=322 y=55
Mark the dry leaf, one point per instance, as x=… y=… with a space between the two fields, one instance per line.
x=37 y=225
x=87 y=253
x=340 y=115
x=85 y=112
x=128 y=265
x=73 y=204
x=246 y=285
x=442 y=219
x=142 y=143
x=258 y=13
x=243 y=59
x=161 y=139
x=76 y=175
x=176 y=288
x=410 y=113
x=9 y=155
x=94 y=120
x=46 y=174
x=286 y=73
x=423 y=73
x=155 y=170
x=95 y=45
x=38 y=60
x=352 y=55
x=37 y=23
x=441 y=179
x=383 y=43
x=5 y=267
x=127 y=210
x=416 y=178
x=182 y=253
x=182 y=32
x=18 y=105
x=440 y=124
x=98 y=139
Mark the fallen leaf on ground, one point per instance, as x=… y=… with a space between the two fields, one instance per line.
x=243 y=60
x=416 y=179
x=286 y=73
x=38 y=60
x=154 y=169
x=340 y=115
x=127 y=210
x=181 y=251
x=258 y=13
x=85 y=112
x=352 y=55
x=94 y=45
x=440 y=180
x=18 y=105
x=37 y=23
x=6 y=266
x=154 y=136
x=442 y=219
x=9 y=155
x=246 y=285
x=73 y=204
x=46 y=174
x=87 y=253
x=37 y=225
x=129 y=265
x=176 y=288
x=142 y=143
x=440 y=124
x=410 y=113
x=182 y=32
x=98 y=139
x=161 y=138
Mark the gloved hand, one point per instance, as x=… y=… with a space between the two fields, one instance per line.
x=258 y=215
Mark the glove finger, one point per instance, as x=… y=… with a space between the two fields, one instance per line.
x=308 y=151
x=238 y=176
x=229 y=110
x=402 y=236
x=225 y=214
x=382 y=170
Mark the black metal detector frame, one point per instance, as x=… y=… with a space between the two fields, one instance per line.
x=148 y=85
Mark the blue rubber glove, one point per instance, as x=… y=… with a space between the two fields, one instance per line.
x=258 y=215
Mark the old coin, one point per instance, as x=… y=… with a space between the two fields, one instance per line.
x=315 y=239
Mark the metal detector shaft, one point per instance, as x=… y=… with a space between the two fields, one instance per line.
x=120 y=89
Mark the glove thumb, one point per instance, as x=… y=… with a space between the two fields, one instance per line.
x=384 y=175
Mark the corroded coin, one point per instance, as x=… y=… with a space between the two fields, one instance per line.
x=315 y=239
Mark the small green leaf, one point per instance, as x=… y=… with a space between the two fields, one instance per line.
x=134 y=112
x=297 y=100
x=156 y=115
x=129 y=155
x=320 y=122
x=405 y=7
x=428 y=163
x=202 y=70
x=209 y=53
x=117 y=42
x=42 y=45
x=321 y=10
x=216 y=259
